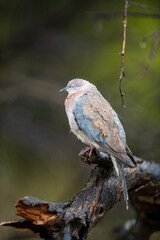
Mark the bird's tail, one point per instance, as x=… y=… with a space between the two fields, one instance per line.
x=124 y=184
x=119 y=168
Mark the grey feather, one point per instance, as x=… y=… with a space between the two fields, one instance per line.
x=114 y=161
x=119 y=126
x=84 y=123
x=124 y=184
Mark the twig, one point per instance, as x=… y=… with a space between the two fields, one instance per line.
x=151 y=35
x=104 y=15
x=143 y=6
x=122 y=73
x=152 y=52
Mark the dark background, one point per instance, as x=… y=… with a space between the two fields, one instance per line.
x=43 y=45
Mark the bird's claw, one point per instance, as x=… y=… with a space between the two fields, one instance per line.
x=84 y=150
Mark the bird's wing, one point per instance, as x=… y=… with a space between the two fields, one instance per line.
x=96 y=118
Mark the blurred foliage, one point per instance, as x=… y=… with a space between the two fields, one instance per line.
x=43 y=45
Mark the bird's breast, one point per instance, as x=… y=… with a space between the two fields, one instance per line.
x=70 y=103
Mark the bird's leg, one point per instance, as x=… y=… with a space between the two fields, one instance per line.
x=86 y=149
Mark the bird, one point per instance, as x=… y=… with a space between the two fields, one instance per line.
x=92 y=119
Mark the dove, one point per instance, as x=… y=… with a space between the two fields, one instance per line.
x=96 y=124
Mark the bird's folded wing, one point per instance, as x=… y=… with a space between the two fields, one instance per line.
x=96 y=118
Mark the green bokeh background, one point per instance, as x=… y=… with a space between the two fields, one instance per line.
x=43 y=45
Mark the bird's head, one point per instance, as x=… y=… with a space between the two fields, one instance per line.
x=76 y=85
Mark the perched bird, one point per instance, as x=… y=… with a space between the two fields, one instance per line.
x=95 y=123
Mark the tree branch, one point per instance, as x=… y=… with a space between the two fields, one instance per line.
x=143 y=6
x=113 y=14
x=156 y=36
x=122 y=73
x=74 y=219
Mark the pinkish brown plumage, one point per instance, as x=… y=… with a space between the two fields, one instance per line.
x=95 y=123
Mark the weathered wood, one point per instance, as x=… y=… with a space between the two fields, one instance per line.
x=74 y=219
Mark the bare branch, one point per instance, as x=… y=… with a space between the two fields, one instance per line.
x=151 y=35
x=143 y=6
x=122 y=73
x=152 y=52
x=113 y=14
x=74 y=219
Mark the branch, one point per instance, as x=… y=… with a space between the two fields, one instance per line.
x=156 y=36
x=122 y=73
x=74 y=219
x=113 y=14
x=143 y=6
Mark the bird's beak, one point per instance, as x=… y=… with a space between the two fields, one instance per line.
x=63 y=89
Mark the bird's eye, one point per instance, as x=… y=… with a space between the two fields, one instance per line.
x=73 y=85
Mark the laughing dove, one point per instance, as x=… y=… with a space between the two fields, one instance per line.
x=95 y=123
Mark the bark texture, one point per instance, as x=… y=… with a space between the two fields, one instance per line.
x=75 y=218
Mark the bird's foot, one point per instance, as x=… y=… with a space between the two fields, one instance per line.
x=86 y=149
